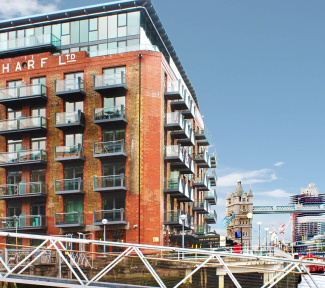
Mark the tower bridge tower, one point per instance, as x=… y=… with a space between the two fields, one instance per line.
x=239 y=203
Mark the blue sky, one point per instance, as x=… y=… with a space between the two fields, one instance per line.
x=258 y=71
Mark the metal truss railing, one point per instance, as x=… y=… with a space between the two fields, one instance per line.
x=86 y=266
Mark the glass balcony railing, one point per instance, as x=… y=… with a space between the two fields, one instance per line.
x=112 y=216
x=110 y=147
x=174 y=121
x=174 y=90
x=174 y=184
x=22 y=189
x=201 y=229
x=109 y=81
x=110 y=114
x=70 y=118
x=21 y=157
x=112 y=182
x=65 y=152
x=21 y=92
x=68 y=86
x=175 y=151
x=23 y=222
x=32 y=41
x=123 y=50
x=66 y=186
x=69 y=219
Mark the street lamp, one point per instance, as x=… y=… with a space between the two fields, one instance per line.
x=104 y=222
x=266 y=229
x=259 y=236
x=183 y=217
x=249 y=216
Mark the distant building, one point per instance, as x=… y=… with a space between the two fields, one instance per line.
x=239 y=203
x=306 y=226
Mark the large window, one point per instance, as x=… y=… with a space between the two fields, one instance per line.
x=13 y=114
x=73 y=139
x=73 y=204
x=73 y=172
x=113 y=201
x=38 y=175
x=39 y=111
x=113 y=135
x=116 y=168
x=14 y=146
x=74 y=106
x=39 y=80
x=39 y=143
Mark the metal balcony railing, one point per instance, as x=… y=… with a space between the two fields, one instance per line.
x=114 y=216
x=23 y=123
x=125 y=49
x=23 y=156
x=113 y=113
x=112 y=182
x=66 y=186
x=21 y=92
x=69 y=219
x=69 y=86
x=110 y=147
x=23 y=222
x=74 y=152
x=109 y=80
x=22 y=189
x=32 y=41
x=69 y=118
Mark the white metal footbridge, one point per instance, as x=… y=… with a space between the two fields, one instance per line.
x=54 y=263
x=298 y=208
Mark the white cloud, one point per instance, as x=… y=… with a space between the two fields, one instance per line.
x=248 y=177
x=277 y=193
x=17 y=8
x=278 y=164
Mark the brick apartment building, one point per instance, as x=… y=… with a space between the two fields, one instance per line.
x=100 y=121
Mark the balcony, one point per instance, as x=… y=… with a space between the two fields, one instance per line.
x=183 y=133
x=174 y=90
x=172 y=218
x=36 y=126
x=190 y=113
x=174 y=121
x=69 y=153
x=211 y=218
x=211 y=197
x=23 y=157
x=111 y=84
x=174 y=153
x=190 y=223
x=188 y=141
x=69 y=186
x=182 y=104
x=115 y=115
x=213 y=158
x=174 y=186
x=23 y=190
x=201 y=229
x=187 y=168
x=110 y=150
x=213 y=178
x=15 y=97
x=201 y=158
x=114 y=217
x=31 y=44
x=203 y=137
x=112 y=183
x=201 y=207
x=201 y=183
x=188 y=195
x=29 y=222
x=70 y=219
x=70 y=120
x=70 y=89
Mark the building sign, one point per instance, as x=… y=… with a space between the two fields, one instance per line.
x=39 y=61
x=155 y=239
x=238 y=234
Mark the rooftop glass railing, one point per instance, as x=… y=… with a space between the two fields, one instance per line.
x=125 y=49
x=30 y=42
x=109 y=113
x=21 y=92
x=110 y=147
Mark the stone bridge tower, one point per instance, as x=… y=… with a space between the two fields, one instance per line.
x=239 y=203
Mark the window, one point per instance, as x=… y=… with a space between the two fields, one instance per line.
x=73 y=172
x=93 y=29
x=13 y=114
x=73 y=139
x=113 y=201
x=40 y=80
x=133 y=23
x=14 y=145
x=84 y=31
x=75 y=32
x=13 y=177
x=114 y=168
x=14 y=84
x=102 y=28
x=38 y=175
x=73 y=205
x=39 y=143
x=72 y=82
x=39 y=111
x=113 y=135
x=38 y=207
x=13 y=208
x=74 y=106
x=112 y=26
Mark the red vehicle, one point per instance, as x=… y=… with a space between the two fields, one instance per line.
x=314 y=268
